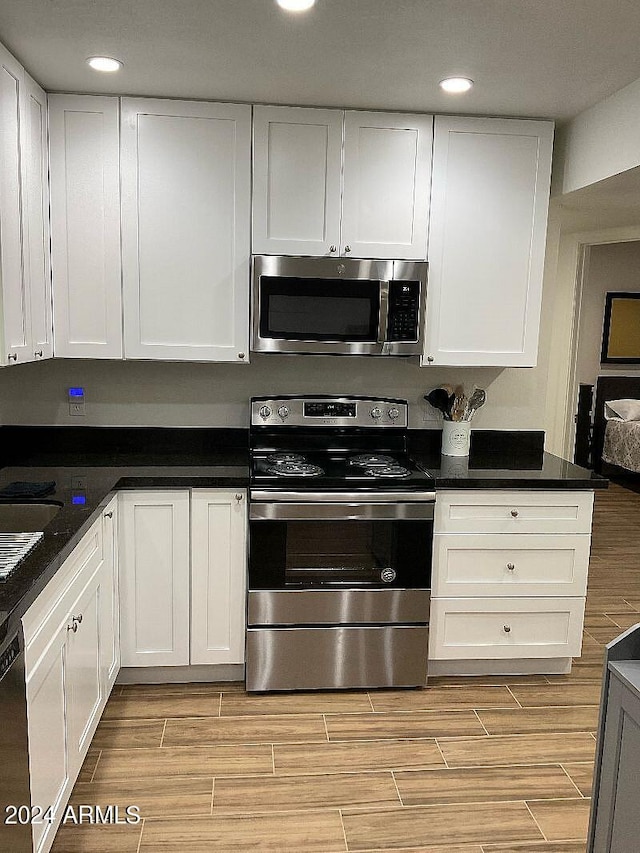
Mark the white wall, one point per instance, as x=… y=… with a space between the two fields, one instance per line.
x=176 y=394
x=603 y=140
x=610 y=267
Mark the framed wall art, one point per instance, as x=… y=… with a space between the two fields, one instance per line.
x=621 y=331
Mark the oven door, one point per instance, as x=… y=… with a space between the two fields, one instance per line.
x=329 y=543
x=320 y=305
x=339 y=592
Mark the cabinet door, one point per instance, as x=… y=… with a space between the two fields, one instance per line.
x=47 y=733
x=387 y=179
x=109 y=602
x=297 y=161
x=615 y=818
x=36 y=228
x=186 y=170
x=489 y=202
x=85 y=226
x=218 y=576
x=15 y=294
x=154 y=578
x=83 y=683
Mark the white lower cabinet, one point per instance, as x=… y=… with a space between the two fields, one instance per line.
x=218 y=576
x=69 y=635
x=515 y=591
x=154 y=578
x=182 y=577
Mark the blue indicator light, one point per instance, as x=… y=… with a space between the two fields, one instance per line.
x=78 y=499
x=76 y=392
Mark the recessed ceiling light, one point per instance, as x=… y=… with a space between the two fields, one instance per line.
x=456 y=85
x=296 y=5
x=104 y=63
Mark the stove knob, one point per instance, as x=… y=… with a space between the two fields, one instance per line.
x=265 y=412
x=283 y=412
x=376 y=412
x=393 y=413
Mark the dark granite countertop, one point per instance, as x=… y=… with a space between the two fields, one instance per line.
x=500 y=460
x=497 y=472
x=88 y=464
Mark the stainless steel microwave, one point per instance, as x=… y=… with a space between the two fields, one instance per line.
x=337 y=306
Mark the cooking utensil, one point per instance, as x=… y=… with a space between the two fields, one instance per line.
x=459 y=403
x=439 y=399
x=475 y=402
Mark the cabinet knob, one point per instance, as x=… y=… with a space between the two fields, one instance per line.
x=13 y=356
x=506 y=629
x=430 y=359
x=514 y=513
x=347 y=249
x=39 y=353
x=108 y=515
x=238 y=498
x=77 y=618
x=74 y=626
x=511 y=566
x=241 y=355
x=333 y=248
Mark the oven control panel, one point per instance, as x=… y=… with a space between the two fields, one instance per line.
x=329 y=412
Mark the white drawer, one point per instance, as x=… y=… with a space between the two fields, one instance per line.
x=502 y=628
x=484 y=511
x=510 y=564
x=52 y=606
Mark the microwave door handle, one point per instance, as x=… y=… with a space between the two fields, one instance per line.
x=383 y=316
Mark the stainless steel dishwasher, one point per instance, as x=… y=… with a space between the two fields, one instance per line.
x=14 y=746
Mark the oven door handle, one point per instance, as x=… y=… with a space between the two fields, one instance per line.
x=323 y=511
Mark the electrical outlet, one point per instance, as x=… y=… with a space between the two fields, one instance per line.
x=76 y=402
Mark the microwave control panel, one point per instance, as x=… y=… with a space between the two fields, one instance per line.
x=404 y=311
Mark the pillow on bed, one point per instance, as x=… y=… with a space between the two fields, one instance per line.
x=626 y=410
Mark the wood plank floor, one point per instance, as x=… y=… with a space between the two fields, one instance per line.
x=485 y=765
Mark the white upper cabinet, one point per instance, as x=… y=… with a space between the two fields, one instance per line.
x=24 y=216
x=387 y=178
x=15 y=297
x=489 y=202
x=36 y=184
x=85 y=226
x=186 y=175
x=326 y=182
x=297 y=159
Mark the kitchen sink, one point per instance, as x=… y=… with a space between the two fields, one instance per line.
x=25 y=517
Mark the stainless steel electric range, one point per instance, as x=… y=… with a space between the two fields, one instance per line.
x=340 y=538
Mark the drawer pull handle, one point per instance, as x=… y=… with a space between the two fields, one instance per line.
x=511 y=566
x=514 y=513
x=507 y=629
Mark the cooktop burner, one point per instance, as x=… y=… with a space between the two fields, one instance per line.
x=283 y=456
x=387 y=471
x=372 y=460
x=295 y=469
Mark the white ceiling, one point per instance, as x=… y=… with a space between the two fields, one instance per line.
x=547 y=58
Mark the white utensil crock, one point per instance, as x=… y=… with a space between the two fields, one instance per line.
x=456 y=436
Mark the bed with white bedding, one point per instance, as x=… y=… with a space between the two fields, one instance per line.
x=622 y=434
